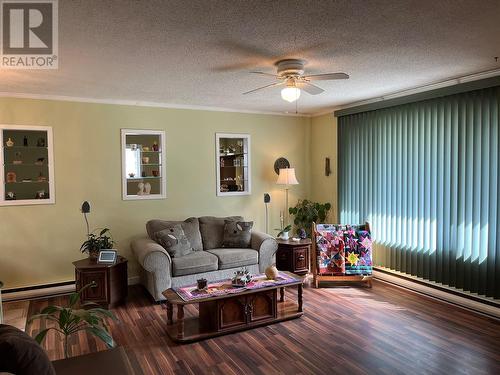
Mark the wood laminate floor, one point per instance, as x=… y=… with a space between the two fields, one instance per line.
x=350 y=330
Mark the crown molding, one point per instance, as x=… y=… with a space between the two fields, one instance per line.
x=138 y=103
x=371 y=103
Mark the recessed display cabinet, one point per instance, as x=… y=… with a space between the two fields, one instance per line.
x=27 y=160
x=143 y=164
x=233 y=164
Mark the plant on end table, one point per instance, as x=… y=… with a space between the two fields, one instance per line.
x=70 y=320
x=283 y=233
x=96 y=242
x=307 y=212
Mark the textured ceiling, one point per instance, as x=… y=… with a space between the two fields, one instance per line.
x=199 y=53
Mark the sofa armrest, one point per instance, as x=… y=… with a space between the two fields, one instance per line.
x=151 y=255
x=157 y=263
x=266 y=245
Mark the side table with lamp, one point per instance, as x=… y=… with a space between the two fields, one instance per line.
x=292 y=255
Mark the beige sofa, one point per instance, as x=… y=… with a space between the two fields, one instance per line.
x=209 y=260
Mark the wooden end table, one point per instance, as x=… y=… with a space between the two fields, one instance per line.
x=219 y=315
x=111 y=281
x=293 y=256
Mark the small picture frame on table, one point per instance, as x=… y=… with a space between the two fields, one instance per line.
x=107 y=257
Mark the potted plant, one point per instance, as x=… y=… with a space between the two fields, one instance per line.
x=96 y=242
x=70 y=320
x=307 y=212
x=283 y=234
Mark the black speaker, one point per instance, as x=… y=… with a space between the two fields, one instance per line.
x=267 y=198
x=85 y=207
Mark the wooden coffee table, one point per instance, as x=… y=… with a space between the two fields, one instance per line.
x=219 y=315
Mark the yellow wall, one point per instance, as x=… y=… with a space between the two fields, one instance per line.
x=324 y=144
x=38 y=243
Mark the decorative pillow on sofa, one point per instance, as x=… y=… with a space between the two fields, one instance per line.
x=174 y=241
x=237 y=234
x=191 y=228
x=212 y=230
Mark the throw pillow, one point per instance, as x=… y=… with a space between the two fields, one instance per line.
x=191 y=228
x=237 y=234
x=174 y=241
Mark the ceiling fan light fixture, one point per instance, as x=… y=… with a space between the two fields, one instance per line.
x=290 y=94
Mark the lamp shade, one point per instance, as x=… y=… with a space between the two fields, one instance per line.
x=287 y=177
x=290 y=94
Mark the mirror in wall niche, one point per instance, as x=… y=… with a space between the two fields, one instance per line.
x=27 y=159
x=143 y=164
x=233 y=164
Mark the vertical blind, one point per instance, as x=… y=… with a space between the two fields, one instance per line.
x=426 y=177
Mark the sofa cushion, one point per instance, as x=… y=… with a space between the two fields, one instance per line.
x=230 y=258
x=191 y=228
x=20 y=354
x=196 y=262
x=212 y=230
x=237 y=234
x=174 y=241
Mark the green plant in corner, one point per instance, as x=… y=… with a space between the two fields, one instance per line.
x=307 y=212
x=96 y=242
x=70 y=320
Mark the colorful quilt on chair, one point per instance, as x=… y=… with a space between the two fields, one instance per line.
x=343 y=249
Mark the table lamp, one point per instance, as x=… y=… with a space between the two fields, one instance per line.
x=287 y=178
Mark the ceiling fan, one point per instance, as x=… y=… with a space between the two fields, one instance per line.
x=290 y=73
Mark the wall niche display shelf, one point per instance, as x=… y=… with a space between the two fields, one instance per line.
x=233 y=164
x=27 y=159
x=143 y=164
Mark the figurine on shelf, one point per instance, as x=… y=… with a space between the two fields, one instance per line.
x=39 y=161
x=11 y=177
x=145 y=148
x=9 y=142
x=18 y=160
x=41 y=177
x=133 y=146
x=40 y=194
x=10 y=196
x=131 y=174
x=155 y=173
x=145 y=160
x=140 y=185
x=147 y=188
x=143 y=174
x=40 y=142
x=222 y=162
x=155 y=146
x=25 y=141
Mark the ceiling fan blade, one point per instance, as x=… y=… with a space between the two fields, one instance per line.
x=265 y=74
x=326 y=77
x=309 y=88
x=264 y=87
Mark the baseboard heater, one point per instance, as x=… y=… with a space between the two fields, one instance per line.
x=46 y=290
x=483 y=305
x=38 y=291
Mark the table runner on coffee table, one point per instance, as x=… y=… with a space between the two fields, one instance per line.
x=224 y=287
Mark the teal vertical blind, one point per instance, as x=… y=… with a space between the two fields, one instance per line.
x=426 y=177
